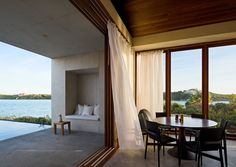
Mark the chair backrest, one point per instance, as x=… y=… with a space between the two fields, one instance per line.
x=153 y=128
x=143 y=116
x=223 y=124
x=161 y=114
x=197 y=116
x=211 y=135
x=214 y=134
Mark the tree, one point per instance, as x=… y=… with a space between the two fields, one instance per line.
x=194 y=104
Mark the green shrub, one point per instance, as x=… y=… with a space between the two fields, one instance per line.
x=38 y=120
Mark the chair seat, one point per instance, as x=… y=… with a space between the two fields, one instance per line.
x=206 y=146
x=163 y=139
x=167 y=139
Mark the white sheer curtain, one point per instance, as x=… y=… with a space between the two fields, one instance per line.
x=126 y=115
x=150 y=81
x=129 y=61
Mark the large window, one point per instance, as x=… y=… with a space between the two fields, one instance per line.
x=186 y=82
x=203 y=81
x=222 y=85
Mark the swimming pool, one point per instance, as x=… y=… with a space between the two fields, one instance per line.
x=10 y=129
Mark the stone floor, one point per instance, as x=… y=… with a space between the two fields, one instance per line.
x=136 y=159
x=44 y=149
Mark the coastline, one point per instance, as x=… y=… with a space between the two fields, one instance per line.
x=23 y=96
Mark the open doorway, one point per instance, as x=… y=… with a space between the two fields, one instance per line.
x=25 y=98
x=76 y=50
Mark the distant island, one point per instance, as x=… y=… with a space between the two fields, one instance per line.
x=24 y=96
x=187 y=94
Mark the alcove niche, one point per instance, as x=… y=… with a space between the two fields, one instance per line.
x=84 y=87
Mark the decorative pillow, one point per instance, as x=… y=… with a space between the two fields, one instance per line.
x=79 y=110
x=88 y=110
x=96 y=110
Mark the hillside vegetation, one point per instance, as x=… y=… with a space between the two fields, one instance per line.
x=217 y=111
x=25 y=96
x=187 y=94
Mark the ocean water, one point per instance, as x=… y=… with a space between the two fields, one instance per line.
x=19 y=108
x=182 y=102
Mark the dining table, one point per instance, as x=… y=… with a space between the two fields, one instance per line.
x=188 y=122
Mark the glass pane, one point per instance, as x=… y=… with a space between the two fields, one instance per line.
x=222 y=85
x=186 y=81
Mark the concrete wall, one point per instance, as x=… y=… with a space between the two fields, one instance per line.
x=71 y=92
x=88 y=88
x=67 y=85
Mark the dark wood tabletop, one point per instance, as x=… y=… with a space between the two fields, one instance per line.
x=188 y=122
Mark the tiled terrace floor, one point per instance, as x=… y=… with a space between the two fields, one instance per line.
x=44 y=149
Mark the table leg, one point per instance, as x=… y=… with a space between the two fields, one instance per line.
x=62 y=129
x=185 y=154
x=69 y=127
x=55 y=129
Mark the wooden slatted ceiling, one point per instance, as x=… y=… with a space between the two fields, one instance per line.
x=145 y=17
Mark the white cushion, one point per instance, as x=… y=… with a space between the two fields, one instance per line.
x=79 y=110
x=88 y=110
x=96 y=110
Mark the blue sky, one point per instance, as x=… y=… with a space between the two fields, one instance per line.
x=23 y=71
x=186 y=69
x=26 y=72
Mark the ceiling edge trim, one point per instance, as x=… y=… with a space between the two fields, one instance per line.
x=200 y=34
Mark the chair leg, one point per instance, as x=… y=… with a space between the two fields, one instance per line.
x=199 y=157
x=221 y=158
x=179 y=153
x=158 y=155
x=154 y=148
x=145 y=154
x=163 y=150
x=176 y=133
x=195 y=156
x=225 y=153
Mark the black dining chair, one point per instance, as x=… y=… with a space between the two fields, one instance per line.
x=190 y=131
x=166 y=129
x=223 y=125
x=154 y=132
x=143 y=116
x=209 y=139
